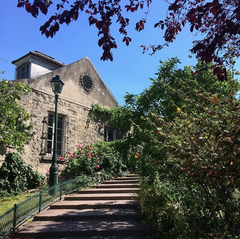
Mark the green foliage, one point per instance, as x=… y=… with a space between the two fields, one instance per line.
x=185 y=134
x=14 y=130
x=100 y=159
x=199 y=131
x=16 y=176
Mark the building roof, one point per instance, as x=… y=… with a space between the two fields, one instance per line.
x=40 y=55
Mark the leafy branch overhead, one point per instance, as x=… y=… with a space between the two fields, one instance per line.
x=218 y=22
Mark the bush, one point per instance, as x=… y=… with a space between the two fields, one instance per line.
x=179 y=209
x=16 y=176
x=100 y=160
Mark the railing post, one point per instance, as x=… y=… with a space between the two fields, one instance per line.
x=60 y=192
x=14 y=217
x=40 y=202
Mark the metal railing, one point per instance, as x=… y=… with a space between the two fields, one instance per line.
x=23 y=211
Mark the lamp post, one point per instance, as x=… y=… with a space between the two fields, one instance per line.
x=57 y=86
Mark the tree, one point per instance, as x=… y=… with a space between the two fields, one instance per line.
x=14 y=130
x=217 y=20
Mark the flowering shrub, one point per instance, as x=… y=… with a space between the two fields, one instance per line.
x=99 y=160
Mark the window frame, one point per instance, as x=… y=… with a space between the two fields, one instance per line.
x=26 y=73
x=115 y=134
x=61 y=139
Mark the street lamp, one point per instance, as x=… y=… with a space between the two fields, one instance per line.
x=57 y=86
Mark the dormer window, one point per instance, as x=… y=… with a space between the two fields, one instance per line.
x=35 y=64
x=24 y=71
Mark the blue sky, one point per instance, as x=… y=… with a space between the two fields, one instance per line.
x=130 y=70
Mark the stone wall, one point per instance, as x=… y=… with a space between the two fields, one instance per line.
x=80 y=127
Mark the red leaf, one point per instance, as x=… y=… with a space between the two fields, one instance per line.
x=217 y=71
x=21 y=4
x=75 y=15
x=43 y=8
x=88 y=12
x=68 y=20
x=191 y=28
x=110 y=56
x=34 y=11
x=56 y=27
x=28 y=7
x=208 y=58
x=214 y=11
x=127 y=40
x=221 y=78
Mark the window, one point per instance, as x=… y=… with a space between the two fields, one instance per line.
x=61 y=137
x=111 y=135
x=87 y=83
x=24 y=71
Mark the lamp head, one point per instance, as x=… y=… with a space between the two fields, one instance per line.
x=57 y=85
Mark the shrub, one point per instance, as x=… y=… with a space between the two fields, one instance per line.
x=16 y=176
x=100 y=160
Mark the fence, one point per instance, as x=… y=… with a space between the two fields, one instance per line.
x=21 y=212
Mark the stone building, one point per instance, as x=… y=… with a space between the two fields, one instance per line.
x=83 y=86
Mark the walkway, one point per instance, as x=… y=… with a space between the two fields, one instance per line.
x=106 y=211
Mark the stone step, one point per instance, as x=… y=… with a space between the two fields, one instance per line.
x=119 y=181
x=107 y=237
x=68 y=204
x=88 y=214
x=50 y=229
x=98 y=196
x=105 y=211
x=132 y=175
x=128 y=185
x=127 y=178
x=108 y=190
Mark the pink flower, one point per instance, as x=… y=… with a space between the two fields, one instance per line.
x=99 y=160
x=48 y=171
x=69 y=152
x=59 y=176
x=92 y=154
x=90 y=148
x=97 y=166
x=80 y=146
x=61 y=158
x=91 y=171
x=74 y=155
x=59 y=170
x=83 y=155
